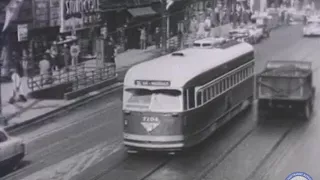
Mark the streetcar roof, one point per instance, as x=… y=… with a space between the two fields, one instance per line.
x=184 y=65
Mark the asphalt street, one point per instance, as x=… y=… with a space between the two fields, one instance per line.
x=87 y=143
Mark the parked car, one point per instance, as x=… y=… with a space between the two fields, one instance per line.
x=312 y=28
x=12 y=151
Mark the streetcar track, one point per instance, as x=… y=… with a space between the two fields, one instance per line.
x=161 y=165
x=45 y=152
x=110 y=169
x=275 y=160
x=168 y=159
x=273 y=149
x=213 y=165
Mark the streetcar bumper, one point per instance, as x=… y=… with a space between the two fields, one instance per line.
x=280 y=107
x=157 y=143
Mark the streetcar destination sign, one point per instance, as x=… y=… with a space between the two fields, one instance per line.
x=152 y=83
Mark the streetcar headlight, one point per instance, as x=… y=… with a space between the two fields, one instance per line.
x=125 y=122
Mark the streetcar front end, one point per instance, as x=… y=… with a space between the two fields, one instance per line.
x=153 y=118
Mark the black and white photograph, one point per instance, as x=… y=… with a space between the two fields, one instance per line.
x=159 y=89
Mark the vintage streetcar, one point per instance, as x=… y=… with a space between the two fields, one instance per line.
x=285 y=86
x=178 y=100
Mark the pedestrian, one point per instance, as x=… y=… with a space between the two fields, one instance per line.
x=143 y=37
x=54 y=56
x=201 y=30
x=25 y=62
x=110 y=51
x=45 y=70
x=305 y=19
x=66 y=57
x=157 y=37
x=74 y=51
x=207 y=27
x=180 y=39
x=17 y=90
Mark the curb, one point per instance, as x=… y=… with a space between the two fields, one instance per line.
x=64 y=109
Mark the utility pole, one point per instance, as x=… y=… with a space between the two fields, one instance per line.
x=214 y=5
x=164 y=30
x=3 y=120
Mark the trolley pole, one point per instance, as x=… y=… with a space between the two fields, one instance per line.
x=164 y=30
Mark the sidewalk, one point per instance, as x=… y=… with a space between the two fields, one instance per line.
x=22 y=112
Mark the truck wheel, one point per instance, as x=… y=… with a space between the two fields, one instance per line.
x=307 y=111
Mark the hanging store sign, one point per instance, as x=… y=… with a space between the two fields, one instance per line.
x=41 y=13
x=79 y=14
x=54 y=13
x=22 y=32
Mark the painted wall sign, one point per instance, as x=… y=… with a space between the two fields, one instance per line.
x=41 y=13
x=79 y=14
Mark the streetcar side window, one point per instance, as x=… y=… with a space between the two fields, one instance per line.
x=191 y=98
x=224 y=84
x=221 y=87
x=210 y=92
x=185 y=99
x=199 y=98
x=215 y=86
x=229 y=82
x=241 y=75
x=205 y=96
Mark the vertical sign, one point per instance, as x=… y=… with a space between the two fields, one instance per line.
x=79 y=14
x=41 y=13
x=54 y=13
x=22 y=32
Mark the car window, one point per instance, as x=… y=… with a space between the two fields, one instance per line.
x=3 y=137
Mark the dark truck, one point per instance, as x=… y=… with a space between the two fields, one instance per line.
x=285 y=87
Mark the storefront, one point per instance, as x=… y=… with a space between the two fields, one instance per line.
x=81 y=18
x=124 y=18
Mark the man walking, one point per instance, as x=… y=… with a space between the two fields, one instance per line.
x=17 y=91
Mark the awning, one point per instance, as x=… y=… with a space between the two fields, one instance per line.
x=143 y=11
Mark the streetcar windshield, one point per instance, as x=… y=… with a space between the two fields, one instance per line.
x=164 y=100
